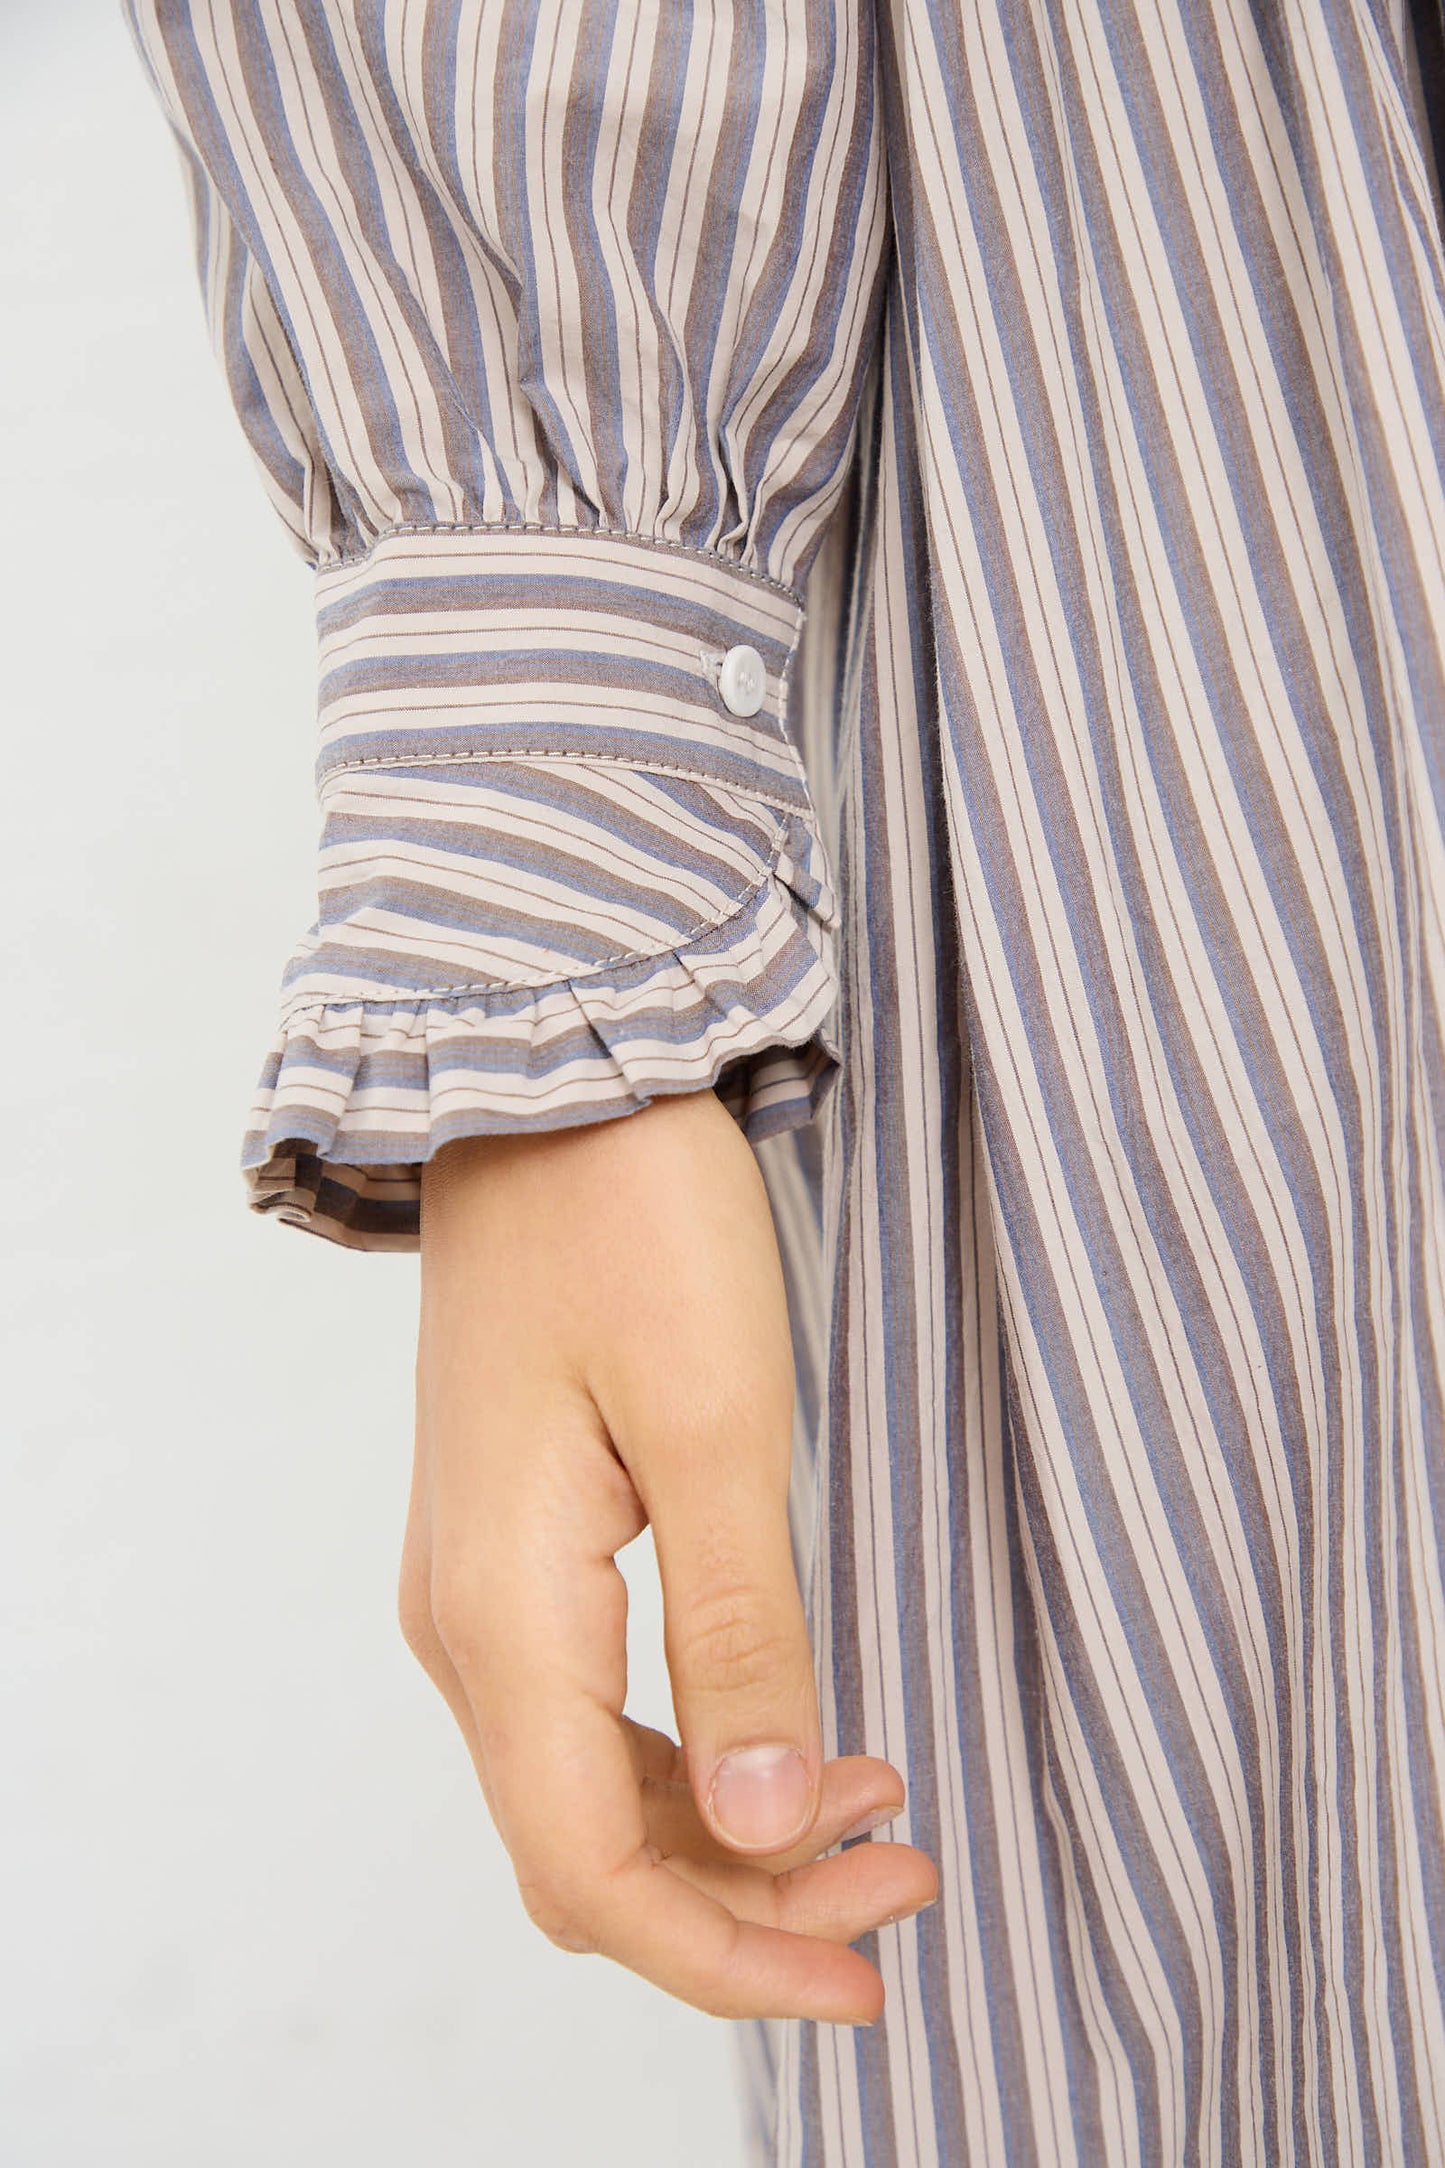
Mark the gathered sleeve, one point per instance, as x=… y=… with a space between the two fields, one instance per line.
x=546 y=322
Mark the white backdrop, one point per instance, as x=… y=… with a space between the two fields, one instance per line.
x=254 y=1913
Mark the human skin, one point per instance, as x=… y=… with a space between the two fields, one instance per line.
x=604 y=1344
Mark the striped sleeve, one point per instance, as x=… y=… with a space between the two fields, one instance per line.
x=547 y=323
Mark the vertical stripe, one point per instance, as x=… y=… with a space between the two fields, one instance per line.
x=1052 y=393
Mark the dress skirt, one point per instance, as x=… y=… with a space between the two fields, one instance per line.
x=1117 y=1260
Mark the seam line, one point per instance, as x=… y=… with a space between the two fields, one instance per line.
x=690 y=550
x=581 y=760
x=315 y=1004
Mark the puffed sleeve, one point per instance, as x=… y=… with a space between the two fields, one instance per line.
x=547 y=323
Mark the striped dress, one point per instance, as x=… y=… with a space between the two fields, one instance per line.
x=1050 y=395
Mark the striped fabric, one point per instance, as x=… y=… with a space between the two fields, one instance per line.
x=551 y=461
x=558 y=875
x=1080 y=364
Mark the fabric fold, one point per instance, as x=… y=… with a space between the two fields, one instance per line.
x=356 y=1095
x=558 y=873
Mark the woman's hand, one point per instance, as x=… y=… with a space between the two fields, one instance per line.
x=604 y=1343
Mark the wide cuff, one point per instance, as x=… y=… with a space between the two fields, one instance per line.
x=558 y=876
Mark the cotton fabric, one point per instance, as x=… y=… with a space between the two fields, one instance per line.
x=1053 y=392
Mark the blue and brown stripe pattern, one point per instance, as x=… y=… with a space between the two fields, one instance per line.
x=557 y=874
x=1054 y=392
x=550 y=460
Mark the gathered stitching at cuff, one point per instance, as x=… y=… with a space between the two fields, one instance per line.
x=603 y=533
x=447 y=647
x=487 y=989
x=317 y=1156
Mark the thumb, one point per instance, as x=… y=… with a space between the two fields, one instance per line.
x=689 y=1356
x=737 y=1651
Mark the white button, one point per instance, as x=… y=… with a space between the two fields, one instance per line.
x=743 y=680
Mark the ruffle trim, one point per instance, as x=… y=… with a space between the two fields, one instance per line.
x=356 y=1096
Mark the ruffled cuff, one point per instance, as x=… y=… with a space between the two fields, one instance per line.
x=559 y=875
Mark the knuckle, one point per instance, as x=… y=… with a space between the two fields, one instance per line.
x=556 y=1913
x=455 y=1611
x=726 y=1994
x=727 y=1641
x=414 y=1612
